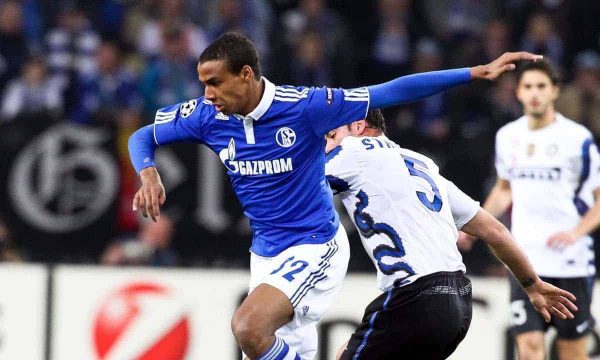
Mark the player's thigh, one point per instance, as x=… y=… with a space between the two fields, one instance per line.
x=310 y=276
x=530 y=345
x=522 y=315
x=424 y=320
x=583 y=323
x=572 y=349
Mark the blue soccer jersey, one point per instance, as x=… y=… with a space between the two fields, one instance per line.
x=274 y=157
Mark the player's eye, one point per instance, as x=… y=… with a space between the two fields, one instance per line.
x=331 y=135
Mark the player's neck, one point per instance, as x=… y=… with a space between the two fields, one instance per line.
x=257 y=89
x=370 y=132
x=536 y=122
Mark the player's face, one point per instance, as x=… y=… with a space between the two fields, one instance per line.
x=536 y=92
x=335 y=136
x=226 y=90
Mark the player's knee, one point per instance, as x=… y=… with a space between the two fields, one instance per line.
x=572 y=349
x=530 y=348
x=247 y=331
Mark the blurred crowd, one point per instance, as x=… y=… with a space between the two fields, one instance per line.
x=113 y=63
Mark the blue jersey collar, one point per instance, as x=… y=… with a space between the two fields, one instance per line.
x=265 y=102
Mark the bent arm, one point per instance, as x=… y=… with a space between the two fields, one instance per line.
x=499 y=198
x=141 y=148
x=499 y=239
x=590 y=220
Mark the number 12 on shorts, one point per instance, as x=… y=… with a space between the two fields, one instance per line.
x=293 y=267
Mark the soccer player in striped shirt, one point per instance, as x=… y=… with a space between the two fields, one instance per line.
x=408 y=217
x=270 y=140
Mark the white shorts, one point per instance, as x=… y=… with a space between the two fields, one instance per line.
x=311 y=276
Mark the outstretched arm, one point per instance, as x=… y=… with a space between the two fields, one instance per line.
x=418 y=86
x=545 y=298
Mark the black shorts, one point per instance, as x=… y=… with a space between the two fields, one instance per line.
x=524 y=318
x=424 y=320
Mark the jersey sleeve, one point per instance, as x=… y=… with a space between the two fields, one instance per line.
x=590 y=169
x=180 y=122
x=500 y=161
x=341 y=169
x=331 y=108
x=462 y=206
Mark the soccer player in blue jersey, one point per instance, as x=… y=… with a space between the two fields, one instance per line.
x=271 y=141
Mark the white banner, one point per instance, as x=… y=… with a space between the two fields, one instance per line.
x=22 y=311
x=148 y=314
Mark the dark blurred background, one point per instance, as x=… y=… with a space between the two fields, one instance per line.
x=78 y=77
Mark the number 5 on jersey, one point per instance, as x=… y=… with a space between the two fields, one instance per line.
x=436 y=204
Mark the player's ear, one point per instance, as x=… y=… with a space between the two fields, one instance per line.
x=358 y=127
x=247 y=73
x=555 y=92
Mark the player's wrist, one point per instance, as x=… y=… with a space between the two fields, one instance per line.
x=478 y=72
x=576 y=234
x=528 y=282
x=149 y=173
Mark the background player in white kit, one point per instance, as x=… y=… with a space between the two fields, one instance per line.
x=408 y=217
x=547 y=168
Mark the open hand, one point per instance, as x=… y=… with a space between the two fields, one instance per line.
x=504 y=63
x=151 y=195
x=550 y=301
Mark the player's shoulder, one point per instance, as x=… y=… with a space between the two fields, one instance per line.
x=407 y=153
x=197 y=109
x=291 y=94
x=573 y=129
x=512 y=127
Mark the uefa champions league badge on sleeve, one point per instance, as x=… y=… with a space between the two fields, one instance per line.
x=187 y=108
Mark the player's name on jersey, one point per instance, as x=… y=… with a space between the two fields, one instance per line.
x=535 y=173
x=260 y=167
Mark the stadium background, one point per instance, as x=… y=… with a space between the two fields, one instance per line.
x=78 y=77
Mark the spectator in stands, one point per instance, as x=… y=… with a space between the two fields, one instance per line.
x=167 y=79
x=540 y=37
x=309 y=65
x=580 y=100
x=149 y=28
x=430 y=114
x=71 y=44
x=34 y=92
x=496 y=39
x=105 y=93
x=13 y=45
x=315 y=16
x=242 y=16
x=150 y=247
x=391 y=50
x=453 y=20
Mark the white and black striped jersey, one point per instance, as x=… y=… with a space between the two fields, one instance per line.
x=407 y=214
x=552 y=173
